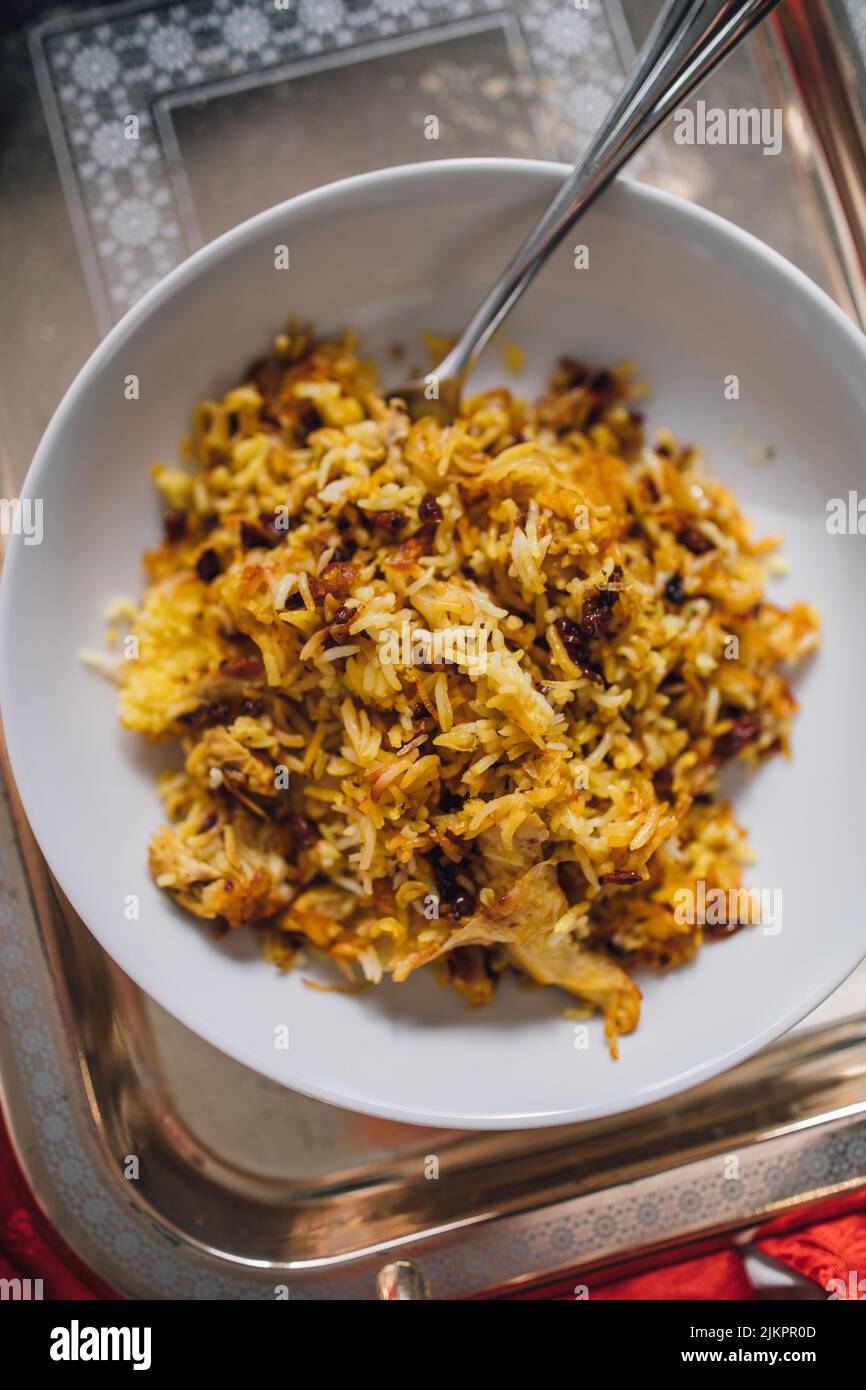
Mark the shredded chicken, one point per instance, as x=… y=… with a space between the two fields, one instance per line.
x=241 y=769
x=565 y=962
x=235 y=871
x=535 y=902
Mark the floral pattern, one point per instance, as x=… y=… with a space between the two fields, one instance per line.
x=97 y=70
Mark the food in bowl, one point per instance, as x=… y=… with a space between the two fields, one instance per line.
x=455 y=695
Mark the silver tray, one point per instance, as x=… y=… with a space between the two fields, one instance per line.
x=174 y=1172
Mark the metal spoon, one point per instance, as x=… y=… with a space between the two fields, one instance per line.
x=688 y=40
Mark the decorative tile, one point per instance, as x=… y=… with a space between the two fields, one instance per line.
x=97 y=70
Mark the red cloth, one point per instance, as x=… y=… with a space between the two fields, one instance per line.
x=29 y=1247
x=707 y=1277
x=827 y=1251
x=823 y=1251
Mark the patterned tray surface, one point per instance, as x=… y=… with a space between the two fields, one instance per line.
x=238 y=106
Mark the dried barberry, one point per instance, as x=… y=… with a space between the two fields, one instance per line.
x=207 y=566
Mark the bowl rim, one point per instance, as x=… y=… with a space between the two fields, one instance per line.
x=649 y=202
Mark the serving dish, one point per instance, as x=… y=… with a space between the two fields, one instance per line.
x=696 y=303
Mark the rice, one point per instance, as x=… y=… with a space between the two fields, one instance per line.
x=534 y=800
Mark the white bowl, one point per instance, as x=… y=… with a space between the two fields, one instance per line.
x=692 y=300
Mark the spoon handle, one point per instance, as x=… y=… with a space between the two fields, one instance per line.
x=688 y=40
